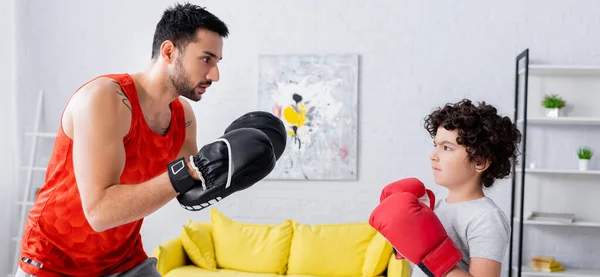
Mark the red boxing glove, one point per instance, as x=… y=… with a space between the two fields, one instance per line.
x=416 y=233
x=412 y=185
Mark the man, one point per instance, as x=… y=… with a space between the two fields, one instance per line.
x=126 y=146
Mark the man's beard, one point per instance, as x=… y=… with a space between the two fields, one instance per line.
x=181 y=85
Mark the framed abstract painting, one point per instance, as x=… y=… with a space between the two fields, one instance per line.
x=316 y=96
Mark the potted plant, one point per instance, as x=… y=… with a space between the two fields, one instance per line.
x=553 y=105
x=585 y=155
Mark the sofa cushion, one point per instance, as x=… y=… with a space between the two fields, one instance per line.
x=378 y=254
x=329 y=249
x=192 y=271
x=260 y=248
x=398 y=267
x=170 y=254
x=197 y=241
x=316 y=276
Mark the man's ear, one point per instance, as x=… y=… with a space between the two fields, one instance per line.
x=482 y=165
x=167 y=51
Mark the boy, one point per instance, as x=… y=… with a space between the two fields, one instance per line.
x=468 y=234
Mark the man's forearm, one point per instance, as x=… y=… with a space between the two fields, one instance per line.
x=123 y=203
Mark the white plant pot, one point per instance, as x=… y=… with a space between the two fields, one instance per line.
x=584 y=164
x=553 y=113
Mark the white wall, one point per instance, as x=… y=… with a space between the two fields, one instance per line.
x=414 y=55
x=8 y=139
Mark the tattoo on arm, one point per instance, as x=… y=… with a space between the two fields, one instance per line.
x=187 y=124
x=124 y=100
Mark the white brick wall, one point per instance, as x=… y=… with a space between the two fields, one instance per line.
x=414 y=55
x=8 y=142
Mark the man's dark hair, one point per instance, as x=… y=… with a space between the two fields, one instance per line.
x=485 y=134
x=180 y=23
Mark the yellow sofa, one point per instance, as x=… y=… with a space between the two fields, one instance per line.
x=227 y=248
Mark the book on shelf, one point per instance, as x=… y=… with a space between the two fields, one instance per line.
x=545 y=264
x=565 y=218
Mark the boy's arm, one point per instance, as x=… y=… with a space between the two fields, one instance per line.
x=101 y=117
x=479 y=267
x=488 y=239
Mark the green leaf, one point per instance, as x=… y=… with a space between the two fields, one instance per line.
x=553 y=101
x=585 y=153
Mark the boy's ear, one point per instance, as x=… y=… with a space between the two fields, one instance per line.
x=482 y=165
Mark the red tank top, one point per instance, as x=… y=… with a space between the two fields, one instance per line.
x=57 y=234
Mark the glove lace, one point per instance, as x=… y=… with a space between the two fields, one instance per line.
x=199 y=172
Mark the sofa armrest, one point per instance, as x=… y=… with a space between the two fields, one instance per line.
x=398 y=268
x=170 y=255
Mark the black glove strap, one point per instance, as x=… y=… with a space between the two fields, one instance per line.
x=425 y=269
x=180 y=176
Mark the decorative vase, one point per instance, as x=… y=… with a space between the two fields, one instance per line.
x=583 y=164
x=553 y=112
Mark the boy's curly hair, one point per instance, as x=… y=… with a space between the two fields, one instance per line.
x=485 y=134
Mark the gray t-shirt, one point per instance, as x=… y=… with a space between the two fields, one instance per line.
x=478 y=227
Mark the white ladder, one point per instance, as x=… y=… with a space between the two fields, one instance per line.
x=25 y=202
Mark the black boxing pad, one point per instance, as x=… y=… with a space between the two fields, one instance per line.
x=266 y=122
